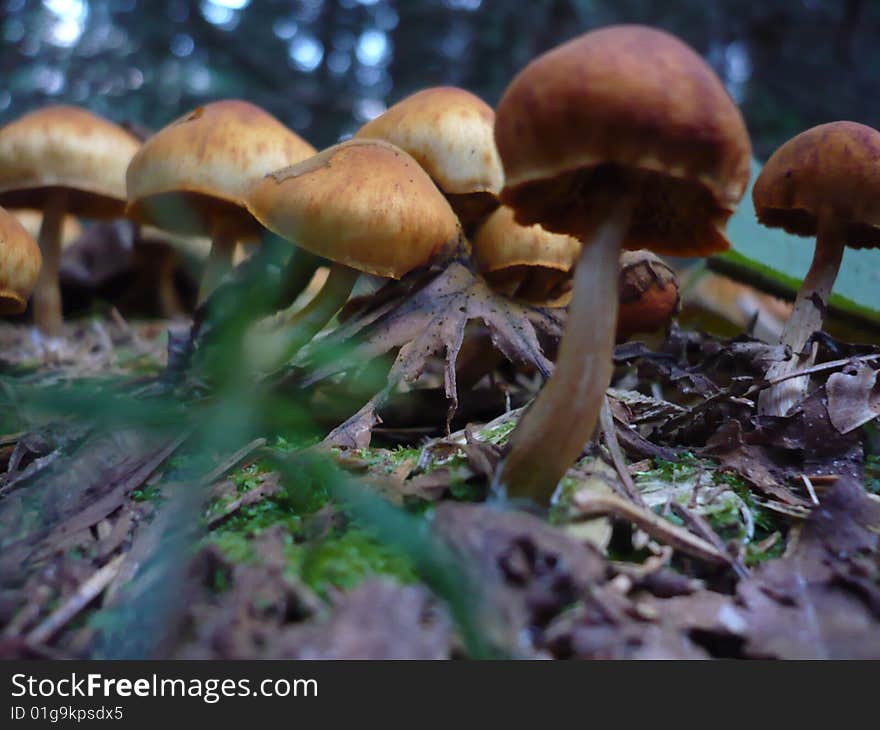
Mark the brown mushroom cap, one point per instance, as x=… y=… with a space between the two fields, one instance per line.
x=833 y=168
x=501 y=242
x=524 y=261
x=70 y=148
x=20 y=263
x=449 y=133
x=363 y=203
x=198 y=169
x=648 y=293
x=625 y=98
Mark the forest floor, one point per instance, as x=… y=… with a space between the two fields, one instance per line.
x=689 y=529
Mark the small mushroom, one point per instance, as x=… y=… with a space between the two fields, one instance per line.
x=824 y=182
x=192 y=176
x=364 y=204
x=20 y=262
x=60 y=160
x=648 y=294
x=623 y=137
x=527 y=262
x=449 y=133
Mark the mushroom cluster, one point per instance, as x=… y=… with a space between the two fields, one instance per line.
x=542 y=219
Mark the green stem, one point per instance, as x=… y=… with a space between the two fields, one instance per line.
x=552 y=433
x=806 y=318
x=48 y=313
x=305 y=324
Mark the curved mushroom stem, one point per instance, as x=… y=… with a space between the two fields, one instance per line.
x=48 y=314
x=305 y=324
x=806 y=317
x=552 y=433
x=223 y=240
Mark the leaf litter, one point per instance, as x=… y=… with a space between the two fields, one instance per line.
x=727 y=556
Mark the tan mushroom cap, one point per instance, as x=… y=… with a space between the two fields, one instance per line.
x=527 y=262
x=70 y=148
x=197 y=170
x=363 y=203
x=20 y=263
x=71 y=230
x=501 y=242
x=449 y=133
x=833 y=168
x=625 y=99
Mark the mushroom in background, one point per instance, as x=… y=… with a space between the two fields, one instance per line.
x=825 y=182
x=623 y=137
x=32 y=220
x=364 y=204
x=62 y=160
x=448 y=131
x=20 y=263
x=526 y=262
x=192 y=176
x=648 y=294
x=714 y=303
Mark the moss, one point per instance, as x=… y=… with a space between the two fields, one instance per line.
x=340 y=559
x=147 y=493
x=872 y=473
x=343 y=560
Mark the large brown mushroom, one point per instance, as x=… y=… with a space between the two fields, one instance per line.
x=20 y=263
x=449 y=133
x=364 y=204
x=60 y=160
x=192 y=176
x=824 y=182
x=623 y=137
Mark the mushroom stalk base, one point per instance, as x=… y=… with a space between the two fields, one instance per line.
x=219 y=262
x=806 y=318
x=48 y=314
x=552 y=433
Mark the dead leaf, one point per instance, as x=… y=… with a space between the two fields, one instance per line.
x=523 y=571
x=852 y=398
x=750 y=462
x=430 y=321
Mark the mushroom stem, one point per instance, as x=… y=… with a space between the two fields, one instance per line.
x=306 y=323
x=806 y=318
x=48 y=314
x=552 y=433
x=223 y=240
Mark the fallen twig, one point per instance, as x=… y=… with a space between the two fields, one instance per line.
x=592 y=505
x=84 y=595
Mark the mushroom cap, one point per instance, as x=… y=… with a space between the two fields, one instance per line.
x=70 y=148
x=20 y=263
x=648 y=293
x=830 y=169
x=449 y=133
x=364 y=203
x=32 y=220
x=625 y=102
x=196 y=171
x=501 y=242
x=526 y=262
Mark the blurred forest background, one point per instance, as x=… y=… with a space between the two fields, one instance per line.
x=326 y=66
